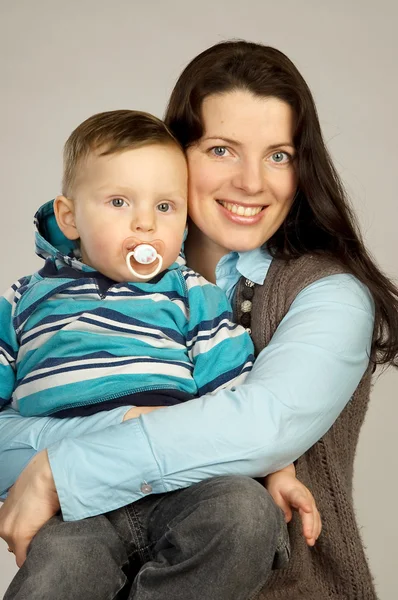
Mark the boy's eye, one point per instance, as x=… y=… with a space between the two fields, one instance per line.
x=164 y=207
x=117 y=202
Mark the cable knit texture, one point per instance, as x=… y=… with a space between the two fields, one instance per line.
x=336 y=568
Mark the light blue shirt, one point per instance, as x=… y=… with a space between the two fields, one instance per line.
x=298 y=386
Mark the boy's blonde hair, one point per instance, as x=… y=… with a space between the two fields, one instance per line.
x=111 y=132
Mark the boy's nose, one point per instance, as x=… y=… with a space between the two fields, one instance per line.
x=143 y=223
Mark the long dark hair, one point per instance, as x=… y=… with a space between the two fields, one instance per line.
x=321 y=219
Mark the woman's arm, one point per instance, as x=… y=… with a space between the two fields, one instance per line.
x=297 y=388
x=33 y=500
x=21 y=437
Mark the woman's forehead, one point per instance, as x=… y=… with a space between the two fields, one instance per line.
x=241 y=116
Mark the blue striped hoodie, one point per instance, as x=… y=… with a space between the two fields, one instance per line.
x=73 y=341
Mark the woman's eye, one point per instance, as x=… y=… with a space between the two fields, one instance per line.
x=117 y=202
x=164 y=207
x=219 y=150
x=280 y=157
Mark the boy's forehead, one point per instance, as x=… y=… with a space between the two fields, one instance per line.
x=159 y=162
x=103 y=156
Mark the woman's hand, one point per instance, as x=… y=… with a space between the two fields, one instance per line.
x=30 y=503
x=135 y=411
x=33 y=499
x=288 y=492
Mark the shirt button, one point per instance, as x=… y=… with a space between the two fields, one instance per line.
x=146 y=488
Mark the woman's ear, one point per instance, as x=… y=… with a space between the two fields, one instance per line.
x=64 y=210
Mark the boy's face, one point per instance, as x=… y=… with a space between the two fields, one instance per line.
x=123 y=199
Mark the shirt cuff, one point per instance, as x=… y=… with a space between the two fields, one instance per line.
x=127 y=472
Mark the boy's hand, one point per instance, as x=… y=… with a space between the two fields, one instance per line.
x=288 y=492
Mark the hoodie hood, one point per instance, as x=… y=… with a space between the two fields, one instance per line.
x=52 y=244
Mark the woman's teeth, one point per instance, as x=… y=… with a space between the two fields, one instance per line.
x=248 y=211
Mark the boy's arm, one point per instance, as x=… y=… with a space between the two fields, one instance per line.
x=8 y=342
x=11 y=464
x=220 y=350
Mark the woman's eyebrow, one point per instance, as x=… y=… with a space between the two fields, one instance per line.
x=283 y=144
x=224 y=139
x=236 y=143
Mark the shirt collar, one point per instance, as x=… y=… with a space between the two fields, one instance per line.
x=252 y=265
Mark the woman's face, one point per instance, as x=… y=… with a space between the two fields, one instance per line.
x=242 y=174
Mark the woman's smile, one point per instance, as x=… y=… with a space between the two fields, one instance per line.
x=241 y=213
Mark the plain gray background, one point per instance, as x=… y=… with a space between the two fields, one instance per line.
x=63 y=61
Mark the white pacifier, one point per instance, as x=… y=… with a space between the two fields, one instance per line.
x=144 y=254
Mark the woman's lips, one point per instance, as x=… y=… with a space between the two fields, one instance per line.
x=240 y=213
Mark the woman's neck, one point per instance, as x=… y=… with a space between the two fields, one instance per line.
x=202 y=254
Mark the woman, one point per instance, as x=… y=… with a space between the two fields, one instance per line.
x=265 y=203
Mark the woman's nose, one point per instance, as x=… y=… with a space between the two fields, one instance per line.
x=250 y=178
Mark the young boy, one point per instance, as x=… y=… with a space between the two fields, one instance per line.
x=114 y=318
x=95 y=328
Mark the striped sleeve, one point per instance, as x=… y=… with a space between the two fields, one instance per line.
x=8 y=340
x=220 y=350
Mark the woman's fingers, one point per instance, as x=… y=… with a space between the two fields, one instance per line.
x=30 y=503
x=318 y=524
x=289 y=493
x=301 y=500
x=309 y=514
x=281 y=502
x=136 y=411
x=16 y=539
x=21 y=548
x=307 y=522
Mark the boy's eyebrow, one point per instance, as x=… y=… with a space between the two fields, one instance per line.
x=236 y=143
x=113 y=190
x=177 y=196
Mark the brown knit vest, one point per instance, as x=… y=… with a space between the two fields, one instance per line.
x=336 y=568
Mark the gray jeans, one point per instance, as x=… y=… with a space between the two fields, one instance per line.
x=216 y=540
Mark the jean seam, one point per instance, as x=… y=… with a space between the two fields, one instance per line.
x=137 y=533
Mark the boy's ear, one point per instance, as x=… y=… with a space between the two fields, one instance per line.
x=64 y=210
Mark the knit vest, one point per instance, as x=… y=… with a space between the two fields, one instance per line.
x=336 y=568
